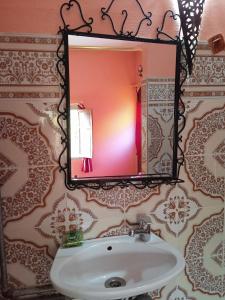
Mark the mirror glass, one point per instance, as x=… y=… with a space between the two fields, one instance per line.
x=121 y=106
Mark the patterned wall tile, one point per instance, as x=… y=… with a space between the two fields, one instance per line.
x=148 y=208
x=176 y=210
x=211 y=123
x=47 y=110
x=208 y=70
x=29 y=150
x=164 y=165
x=30 y=256
x=27 y=68
x=28 y=135
x=161 y=89
x=123 y=228
x=123 y=199
x=7 y=169
x=204 y=256
x=191 y=106
x=66 y=215
x=160 y=96
x=14 y=283
x=38 y=208
x=155 y=138
x=156 y=294
x=204 y=153
x=179 y=293
x=207 y=79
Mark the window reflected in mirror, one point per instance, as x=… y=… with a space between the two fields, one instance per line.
x=122 y=97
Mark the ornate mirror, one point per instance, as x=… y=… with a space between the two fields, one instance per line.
x=121 y=111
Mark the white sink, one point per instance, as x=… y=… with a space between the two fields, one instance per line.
x=81 y=272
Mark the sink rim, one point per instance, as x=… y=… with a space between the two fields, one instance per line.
x=64 y=255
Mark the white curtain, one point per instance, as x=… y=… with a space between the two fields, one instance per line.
x=81 y=133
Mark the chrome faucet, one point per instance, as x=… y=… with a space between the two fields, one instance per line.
x=143 y=229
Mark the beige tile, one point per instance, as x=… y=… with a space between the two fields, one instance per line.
x=175 y=290
x=109 y=226
x=30 y=191
x=200 y=173
x=204 y=125
x=27 y=263
x=200 y=192
x=194 y=292
x=203 y=234
x=204 y=253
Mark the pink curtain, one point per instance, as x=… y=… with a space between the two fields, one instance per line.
x=138 y=130
x=86 y=165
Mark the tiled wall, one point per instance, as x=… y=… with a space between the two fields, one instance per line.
x=158 y=118
x=38 y=208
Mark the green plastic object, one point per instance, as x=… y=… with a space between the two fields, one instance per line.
x=73 y=239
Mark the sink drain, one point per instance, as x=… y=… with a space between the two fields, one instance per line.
x=115 y=282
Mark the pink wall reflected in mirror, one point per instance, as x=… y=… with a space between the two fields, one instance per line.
x=105 y=82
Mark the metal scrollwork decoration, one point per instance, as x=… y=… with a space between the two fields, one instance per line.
x=169 y=14
x=73 y=6
x=181 y=109
x=146 y=18
x=68 y=7
x=61 y=66
x=190 y=13
x=161 y=33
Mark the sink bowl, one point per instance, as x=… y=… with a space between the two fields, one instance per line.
x=115 y=267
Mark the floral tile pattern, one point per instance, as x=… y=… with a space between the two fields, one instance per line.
x=208 y=70
x=122 y=229
x=14 y=283
x=219 y=154
x=176 y=210
x=7 y=168
x=164 y=165
x=191 y=105
x=27 y=137
x=27 y=67
x=38 y=209
x=155 y=138
x=207 y=132
x=47 y=110
x=121 y=198
x=179 y=293
x=158 y=98
x=156 y=294
x=35 y=258
x=66 y=215
x=218 y=255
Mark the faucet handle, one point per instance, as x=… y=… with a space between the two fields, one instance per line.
x=143 y=220
x=131 y=232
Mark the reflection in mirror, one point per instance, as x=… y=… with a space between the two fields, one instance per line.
x=122 y=97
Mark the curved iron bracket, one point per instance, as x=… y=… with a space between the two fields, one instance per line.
x=70 y=7
x=161 y=33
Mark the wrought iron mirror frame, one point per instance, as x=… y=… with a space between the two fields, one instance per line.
x=63 y=107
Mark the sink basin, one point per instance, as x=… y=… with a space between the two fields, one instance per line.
x=115 y=267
